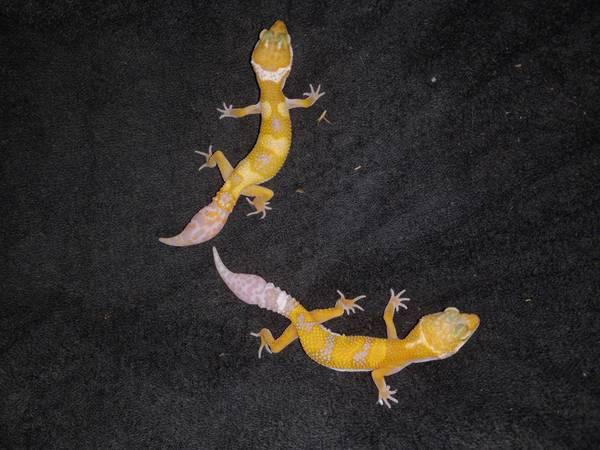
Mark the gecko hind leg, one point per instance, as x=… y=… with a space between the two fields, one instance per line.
x=342 y=305
x=216 y=159
x=272 y=345
x=260 y=202
x=261 y=194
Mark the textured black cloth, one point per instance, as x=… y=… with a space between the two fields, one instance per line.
x=461 y=163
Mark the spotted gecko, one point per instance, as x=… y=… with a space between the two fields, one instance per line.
x=272 y=62
x=436 y=336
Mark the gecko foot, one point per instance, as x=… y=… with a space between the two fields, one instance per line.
x=386 y=396
x=210 y=163
x=314 y=95
x=349 y=304
x=226 y=111
x=265 y=339
x=396 y=300
x=260 y=205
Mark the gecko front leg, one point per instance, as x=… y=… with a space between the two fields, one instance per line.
x=311 y=98
x=394 y=303
x=236 y=113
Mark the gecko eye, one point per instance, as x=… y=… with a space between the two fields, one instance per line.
x=450 y=315
x=461 y=331
x=281 y=40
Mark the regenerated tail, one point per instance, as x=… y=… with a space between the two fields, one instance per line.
x=207 y=222
x=254 y=290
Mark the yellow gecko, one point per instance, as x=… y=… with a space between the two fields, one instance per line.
x=272 y=62
x=436 y=336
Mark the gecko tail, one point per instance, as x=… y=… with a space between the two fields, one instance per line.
x=207 y=222
x=254 y=290
x=246 y=287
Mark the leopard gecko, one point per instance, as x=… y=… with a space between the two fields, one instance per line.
x=436 y=336
x=272 y=62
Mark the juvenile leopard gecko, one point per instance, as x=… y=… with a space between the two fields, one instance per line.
x=436 y=336
x=272 y=62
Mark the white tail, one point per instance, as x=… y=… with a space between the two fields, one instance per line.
x=206 y=224
x=254 y=290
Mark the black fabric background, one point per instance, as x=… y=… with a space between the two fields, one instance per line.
x=475 y=124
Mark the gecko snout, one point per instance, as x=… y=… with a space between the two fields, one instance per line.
x=273 y=49
x=462 y=325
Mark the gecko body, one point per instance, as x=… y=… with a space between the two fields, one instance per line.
x=436 y=336
x=272 y=62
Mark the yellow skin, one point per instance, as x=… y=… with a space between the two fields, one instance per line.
x=436 y=336
x=272 y=62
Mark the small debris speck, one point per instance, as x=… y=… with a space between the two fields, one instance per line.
x=323 y=118
x=528 y=300
x=300 y=191
x=518 y=66
x=433 y=79
x=357 y=168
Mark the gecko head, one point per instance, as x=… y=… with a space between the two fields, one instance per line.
x=446 y=332
x=273 y=51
